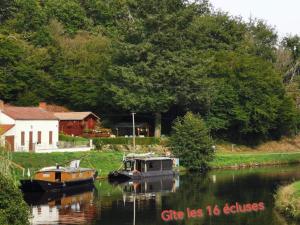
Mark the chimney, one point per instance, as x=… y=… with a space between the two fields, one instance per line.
x=1 y=105
x=43 y=105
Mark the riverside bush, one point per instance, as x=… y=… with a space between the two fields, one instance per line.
x=190 y=141
x=99 y=142
x=13 y=209
x=287 y=201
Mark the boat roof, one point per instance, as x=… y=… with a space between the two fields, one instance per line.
x=151 y=158
x=64 y=169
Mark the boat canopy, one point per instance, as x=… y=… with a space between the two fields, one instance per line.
x=75 y=164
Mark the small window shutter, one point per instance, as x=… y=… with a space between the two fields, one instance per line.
x=39 y=137
x=22 y=138
x=50 y=138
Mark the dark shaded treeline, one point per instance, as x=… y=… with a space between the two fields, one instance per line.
x=159 y=58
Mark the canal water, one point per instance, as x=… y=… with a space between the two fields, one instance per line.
x=221 y=197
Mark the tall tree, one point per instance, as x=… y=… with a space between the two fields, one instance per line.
x=79 y=68
x=147 y=58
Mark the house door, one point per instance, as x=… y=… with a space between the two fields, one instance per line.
x=30 y=141
x=10 y=143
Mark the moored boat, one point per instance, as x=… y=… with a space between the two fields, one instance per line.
x=137 y=167
x=57 y=178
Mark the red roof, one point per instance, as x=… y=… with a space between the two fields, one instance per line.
x=5 y=127
x=28 y=113
x=73 y=115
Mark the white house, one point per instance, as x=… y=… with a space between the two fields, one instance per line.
x=28 y=128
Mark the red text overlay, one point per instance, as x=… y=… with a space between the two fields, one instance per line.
x=212 y=210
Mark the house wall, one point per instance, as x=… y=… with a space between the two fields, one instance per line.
x=90 y=122
x=76 y=127
x=4 y=119
x=71 y=127
x=2 y=140
x=35 y=126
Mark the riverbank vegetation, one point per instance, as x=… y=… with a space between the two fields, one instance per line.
x=288 y=200
x=285 y=144
x=13 y=209
x=105 y=162
x=239 y=160
x=159 y=59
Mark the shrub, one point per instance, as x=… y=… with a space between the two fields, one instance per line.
x=287 y=200
x=68 y=138
x=190 y=141
x=99 y=142
x=13 y=209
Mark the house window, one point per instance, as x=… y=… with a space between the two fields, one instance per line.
x=22 y=138
x=39 y=137
x=50 y=137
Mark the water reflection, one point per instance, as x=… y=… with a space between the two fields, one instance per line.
x=151 y=186
x=142 y=202
x=148 y=189
x=75 y=206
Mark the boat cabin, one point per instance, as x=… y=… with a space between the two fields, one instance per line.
x=148 y=164
x=64 y=174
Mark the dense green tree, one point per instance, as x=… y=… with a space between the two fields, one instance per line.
x=79 y=66
x=261 y=40
x=29 y=16
x=69 y=13
x=7 y=9
x=250 y=97
x=22 y=71
x=148 y=58
x=190 y=141
x=293 y=44
x=151 y=57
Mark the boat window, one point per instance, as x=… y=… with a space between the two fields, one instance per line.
x=128 y=165
x=139 y=165
x=57 y=176
x=150 y=165
x=150 y=187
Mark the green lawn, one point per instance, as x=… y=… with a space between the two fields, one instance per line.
x=252 y=159
x=296 y=187
x=102 y=161
x=108 y=161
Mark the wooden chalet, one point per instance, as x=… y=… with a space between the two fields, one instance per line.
x=76 y=123
x=86 y=124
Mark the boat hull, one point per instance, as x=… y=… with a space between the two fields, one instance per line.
x=45 y=186
x=123 y=176
x=43 y=198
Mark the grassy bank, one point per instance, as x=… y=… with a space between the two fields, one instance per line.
x=288 y=200
x=108 y=161
x=232 y=160
x=285 y=144
x=102 y=161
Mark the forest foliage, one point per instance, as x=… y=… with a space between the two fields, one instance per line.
x=151 y=56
